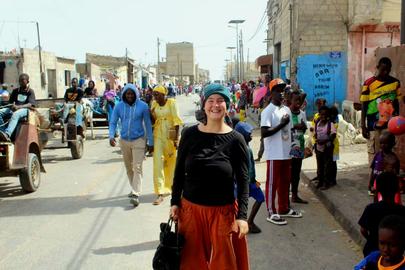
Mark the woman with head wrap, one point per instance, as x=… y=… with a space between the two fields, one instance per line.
x=212 y=159
x=166 y=133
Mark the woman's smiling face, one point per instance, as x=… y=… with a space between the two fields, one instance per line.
x=215 y=107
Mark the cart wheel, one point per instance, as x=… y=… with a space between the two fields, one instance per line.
x=76 y=148
x=30 y=177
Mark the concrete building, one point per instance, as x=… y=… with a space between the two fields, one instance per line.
x=202 y=75
x=326 y=46
x=180 y=60
x=250 y=73
x=54 y=79
x=123 y=69
x=92 y=72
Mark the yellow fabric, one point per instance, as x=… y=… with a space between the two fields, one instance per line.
x=160 y=89
x=164 y=162
x=377 y=91
x=336 y=142
x=164 y=156
x=316 y=116
x=242 y=115
x=393 y=267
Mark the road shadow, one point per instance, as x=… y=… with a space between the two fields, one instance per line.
x=107 y=161
x=58 y=205
x=150 y=198
x=55 y=158
x=128 y=250
x=11 y=190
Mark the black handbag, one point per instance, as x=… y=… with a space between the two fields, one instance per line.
x=167 y=255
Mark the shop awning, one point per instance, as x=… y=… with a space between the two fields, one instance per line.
x=264 y=60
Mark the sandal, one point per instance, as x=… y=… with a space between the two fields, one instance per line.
x=158 y=200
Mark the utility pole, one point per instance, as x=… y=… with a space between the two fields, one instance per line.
x=247 y=62
x=231 y=58
x=242 y=61
x=40 y=53
x=403 y=22
x=178 y=67
x=158 y=60
x=237 y=55
x=237 y=22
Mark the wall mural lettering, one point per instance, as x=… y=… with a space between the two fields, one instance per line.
x=323 y=76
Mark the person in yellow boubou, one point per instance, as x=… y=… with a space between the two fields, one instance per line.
x=166 y=119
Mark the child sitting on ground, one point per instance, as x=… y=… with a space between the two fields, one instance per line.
x=384 y=161
x=391 y=244
x=387 y=185
x=254 y=186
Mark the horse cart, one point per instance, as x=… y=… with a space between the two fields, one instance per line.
x=56 y=121
x=22 y=156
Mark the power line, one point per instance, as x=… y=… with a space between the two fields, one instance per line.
x=260 y=25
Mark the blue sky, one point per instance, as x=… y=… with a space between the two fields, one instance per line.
x=72 y=28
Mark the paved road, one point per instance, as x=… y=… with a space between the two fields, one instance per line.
x=80 y=218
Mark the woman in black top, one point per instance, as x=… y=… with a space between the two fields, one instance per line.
x=211 y=159
x=90 y=91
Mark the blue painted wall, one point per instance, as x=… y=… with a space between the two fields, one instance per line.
x=284 y=70
x=323 y=76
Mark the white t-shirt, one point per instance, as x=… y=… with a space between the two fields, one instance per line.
x=277 y=146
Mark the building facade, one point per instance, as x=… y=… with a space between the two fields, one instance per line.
x=327 y=47
x=180 y=60
x=54 y=79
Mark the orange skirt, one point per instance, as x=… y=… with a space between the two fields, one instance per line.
x=210 y=242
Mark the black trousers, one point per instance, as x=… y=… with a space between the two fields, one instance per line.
x=296 y=164
x=324 y=162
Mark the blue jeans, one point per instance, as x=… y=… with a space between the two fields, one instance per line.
x=4 y=113
x=15 y=117
x=79 y=112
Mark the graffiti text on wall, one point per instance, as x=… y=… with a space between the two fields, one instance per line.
x=323 y=76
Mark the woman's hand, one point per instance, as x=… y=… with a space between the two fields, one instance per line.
x=241 y=227
x=174 y=213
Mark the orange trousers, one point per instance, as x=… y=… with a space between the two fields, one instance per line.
x=210 y=241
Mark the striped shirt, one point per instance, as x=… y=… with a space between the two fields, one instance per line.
x=374 y=91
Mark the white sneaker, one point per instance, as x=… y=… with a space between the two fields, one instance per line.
x=292 y=213
x=276 y=219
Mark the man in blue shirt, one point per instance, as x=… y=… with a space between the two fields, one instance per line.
x=4 y=95
x=134 y=115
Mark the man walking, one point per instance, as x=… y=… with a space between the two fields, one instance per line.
x=21 y=100
x=134 y=115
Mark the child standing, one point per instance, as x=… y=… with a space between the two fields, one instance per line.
x=335 y=120
x=390 y=256
x=254 y=186
x=298 y=142
x=319 y=102
x=325 y=134
x=387 y=185
x=385 y=160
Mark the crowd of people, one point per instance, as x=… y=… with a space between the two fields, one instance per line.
x=210 y=182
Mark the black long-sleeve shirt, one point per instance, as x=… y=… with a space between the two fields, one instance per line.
x=207 y=167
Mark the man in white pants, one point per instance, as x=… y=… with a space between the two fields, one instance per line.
x=135 y=118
